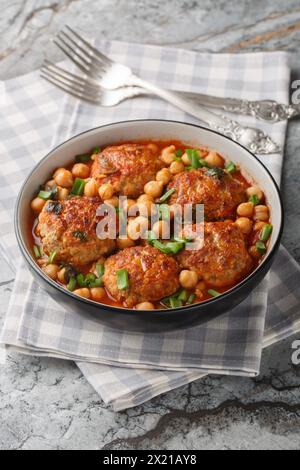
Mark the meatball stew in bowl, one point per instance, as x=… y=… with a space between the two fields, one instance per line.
x=150 y=272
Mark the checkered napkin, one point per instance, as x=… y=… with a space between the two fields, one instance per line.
x=130 y=368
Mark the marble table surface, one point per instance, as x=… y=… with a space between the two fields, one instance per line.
x=46 y=403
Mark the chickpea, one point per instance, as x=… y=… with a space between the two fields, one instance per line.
x=80 y=170
x=114 y=201
x=245 y=209
x=185 y=159
x=176 y=167
x=145 y=198
x=161 y=228
x=58 y=170
x=167 y=154
x=188 y=279
x=164 y=175
x=153 y=147
x=137 y=227
x=154 y=188
x=255 y=191
x=91 y=188
x=254 y=253
x=64 y=178
x=261 y=212
x=62 y=193
x=83 y=292
x=124 y=243
x=97 y=293
x=50 y=184
x=213 y=159
x=244 y=224
x=61 y=275
x=51 y=270
x=106 y=191
x=37 y=204
x=145 y=306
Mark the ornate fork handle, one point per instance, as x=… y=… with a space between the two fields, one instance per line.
x=254 y=139
x=268 y=110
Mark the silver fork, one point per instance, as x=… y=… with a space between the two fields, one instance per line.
x=112 y=75
x=267 y=110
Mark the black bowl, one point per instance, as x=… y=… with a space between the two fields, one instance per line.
x=154 y=320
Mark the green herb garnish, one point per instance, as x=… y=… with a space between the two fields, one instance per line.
x=254 y=199
x=100 y=269
x=52 y=257
x=166 y=196
x=37 y=252
x=230 y=167
x=54 y=207
x=178 y=154
x=122 y=279
x=71 y=284
x=261 y=247
x=213 y=293
x=78 y=187
x=215 y=172
x=265 y=232
x=191 y=299
x=164 y=212
x=96 y=150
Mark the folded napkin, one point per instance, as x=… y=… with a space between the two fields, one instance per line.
x=129 y=368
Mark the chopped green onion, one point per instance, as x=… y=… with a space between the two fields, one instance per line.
x=191 y=299
x=96 y=283
x=90 y=277
x=213 y=293
x=164 y=212
x=168 y=248
x=178 y=154
x=203 y=162
x=82 y=158
x=183 y=295
x=81 y=280
x=78 y=187
x=71 y=284
x=174 y=303
x=96 y=150
x=52 y=257
x=45 y=194
x=230 y=167
x=261 y=247
x=166 y=196
x=100 y=269
x=254 y=199
x=266 y=232
x=37 y=252
x=122 y=279
x=193 y=156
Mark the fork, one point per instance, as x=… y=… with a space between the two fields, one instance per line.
x=111 y=75
x=266 y=110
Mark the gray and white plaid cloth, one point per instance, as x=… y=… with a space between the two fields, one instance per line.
x=129 y=368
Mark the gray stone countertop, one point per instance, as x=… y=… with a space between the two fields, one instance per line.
x=46 y=403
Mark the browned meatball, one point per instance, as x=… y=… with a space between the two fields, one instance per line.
x=69 y=228
x=223 y=260
x=217 y=190
x=152 y=275
x=127 y=167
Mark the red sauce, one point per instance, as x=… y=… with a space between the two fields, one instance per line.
x=251 y=239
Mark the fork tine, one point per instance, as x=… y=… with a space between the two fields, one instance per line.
x=72 y=92
x=71 y=57
x=101 y=56
x=85 y=53
x=65 y=74
x=77 y=87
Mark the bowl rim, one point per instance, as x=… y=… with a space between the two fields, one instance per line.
x=128 y=311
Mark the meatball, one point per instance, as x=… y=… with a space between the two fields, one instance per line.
x=217 y=190
x=152 y=275
x=127 y=167
x=223 y=259
x=69 y=228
